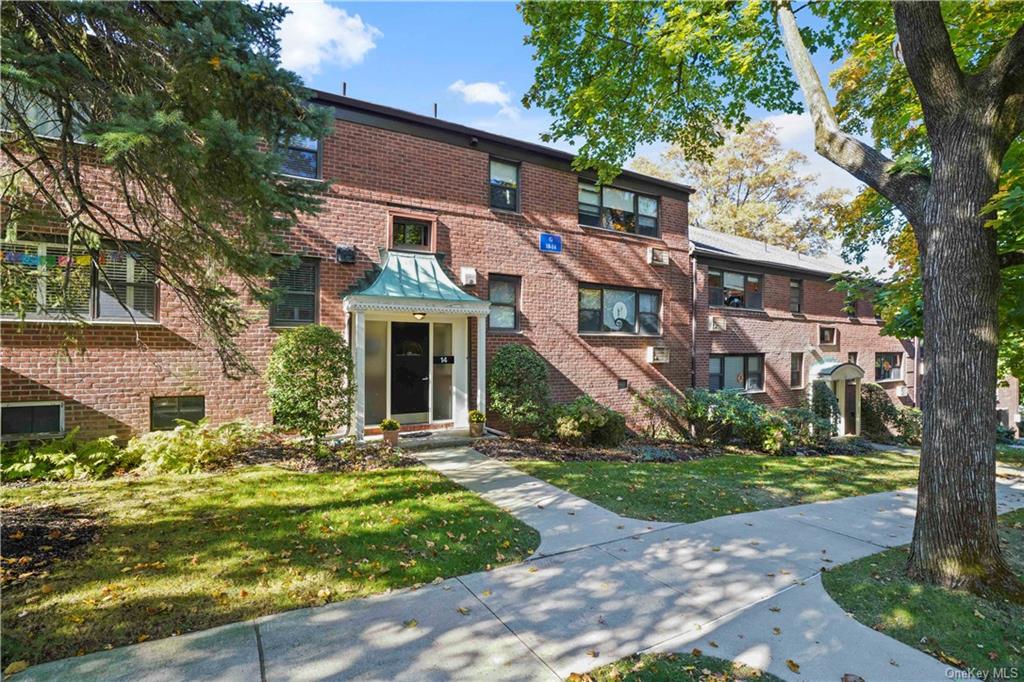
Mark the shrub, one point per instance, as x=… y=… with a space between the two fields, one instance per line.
x=65 y=458
x=707 y=417
x=805 y=428
x=908 y=425
x=1005 y=435
x=584 y=421
x=877 y=412
x=825 y=404
x=517 y=382
x=192 y=447
x=310 y=381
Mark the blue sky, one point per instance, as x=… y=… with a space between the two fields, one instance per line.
x=468 y=57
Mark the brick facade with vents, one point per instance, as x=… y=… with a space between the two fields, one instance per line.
x=777 y=333
x=106 y=374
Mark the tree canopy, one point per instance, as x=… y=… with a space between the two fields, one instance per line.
x=753 y=187
x=183 y=103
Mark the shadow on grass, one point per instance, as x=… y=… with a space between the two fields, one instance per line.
x=186 y=553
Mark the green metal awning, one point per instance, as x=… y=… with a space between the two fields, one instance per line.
x=414 y=282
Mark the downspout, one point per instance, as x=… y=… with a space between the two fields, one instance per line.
x=693 y=316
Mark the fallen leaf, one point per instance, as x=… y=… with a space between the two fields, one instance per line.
x=713 y=644
x=17 y=535
x=774 y=609
x=46 y=589
x=463 y=610
x=592 y=653
x=15 y=667
x=777 y=631
x=142 y=638
x=850 y=677
x=411 y=623
x=979 y=614
x=792 y=665
x=696 y=653
x=485 y=593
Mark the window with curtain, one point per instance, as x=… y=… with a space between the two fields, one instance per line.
x=888 y=366
x=297 y=290
x=504 y=185
x=618 y=209
x=736 y=372
x=735 y=289
x=619 y=310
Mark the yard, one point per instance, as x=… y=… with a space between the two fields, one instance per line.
x=954 y=626
x=691 y=667
x=174 y=554
x=701 y=489
x=1010 y=456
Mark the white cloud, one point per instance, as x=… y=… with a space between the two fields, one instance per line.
x=485 y=92
x=316 y=33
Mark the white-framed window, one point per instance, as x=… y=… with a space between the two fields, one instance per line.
x=108 y=284
x=620 y=210
x=828 y=336
x=735 y=289
x=31 y=419
x=503 y=293
x=616 y=310
x=298 y=289
x=300 y=157
x=504 y=185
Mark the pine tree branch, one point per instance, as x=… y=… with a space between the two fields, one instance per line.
x=864 y=162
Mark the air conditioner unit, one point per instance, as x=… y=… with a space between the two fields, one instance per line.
x=902 y=391
x=717 y=324
x=657 y=355
x=468 y=276
x=657 y=256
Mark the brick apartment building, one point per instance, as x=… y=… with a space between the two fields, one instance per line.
x=437 y=245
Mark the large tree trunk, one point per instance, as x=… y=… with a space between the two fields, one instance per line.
x=955 y=542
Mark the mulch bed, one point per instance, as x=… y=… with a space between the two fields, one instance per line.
x=510 y=449
x=34 y=536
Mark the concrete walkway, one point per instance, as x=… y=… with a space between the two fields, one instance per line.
x=743 y=586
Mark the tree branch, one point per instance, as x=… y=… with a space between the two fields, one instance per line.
x=864 y=162
x=1006 y=70
x=929 y=59
x=1011 y=259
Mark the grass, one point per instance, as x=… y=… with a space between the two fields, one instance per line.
x=672 y=668
x=955 y=626
x=1010 y=456
x=183 y=553
x=728 y=484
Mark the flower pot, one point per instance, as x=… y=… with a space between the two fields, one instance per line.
x=476 y=429
x=391 y=437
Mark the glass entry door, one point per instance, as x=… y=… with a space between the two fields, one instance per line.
x=410 y=372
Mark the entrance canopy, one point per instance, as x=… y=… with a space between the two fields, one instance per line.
x=837 y=371
x=414 y=282
x=409 y=333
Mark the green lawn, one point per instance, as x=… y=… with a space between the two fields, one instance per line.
x=1010 y=456
x=954 y=626
x=183 y=553
x=672 y=668
x=728 y=484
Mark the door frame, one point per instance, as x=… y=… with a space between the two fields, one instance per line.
x=460 y=371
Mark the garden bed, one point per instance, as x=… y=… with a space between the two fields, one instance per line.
x=35 y=536
x=513 y=449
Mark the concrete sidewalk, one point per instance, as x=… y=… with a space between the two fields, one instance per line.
x=730 y=580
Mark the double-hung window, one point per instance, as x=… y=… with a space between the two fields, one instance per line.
x=504 y=297
x=735 y=289
x=618 y=209
x=796 y=295
x=888 y=366
x=300 y=156
x=297 y=295
x=736 y=372
x=796 y=370
x=44 y=280
x=619 y=310
x=504 y=185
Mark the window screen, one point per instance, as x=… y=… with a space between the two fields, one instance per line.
x=297 y=289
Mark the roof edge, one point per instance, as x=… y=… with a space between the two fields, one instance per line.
x=448 y=126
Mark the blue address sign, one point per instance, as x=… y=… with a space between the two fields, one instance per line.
x=550 y=243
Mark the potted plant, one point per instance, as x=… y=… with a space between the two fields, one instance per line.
x=389 y=428
x=476 y=423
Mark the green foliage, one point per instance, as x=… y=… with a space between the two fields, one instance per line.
x=908 y=425
x=310 y=380
x=805 y=429
x=825 y=404
x=185 y=102
x=389 y=425
x=1005 y=434
x=517 y=385
x=877 y=412
x=477 y=417
x=64 y=458
x=191 y=447
x=584 y=421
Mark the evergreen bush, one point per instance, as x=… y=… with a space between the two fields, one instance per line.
x=517 y=385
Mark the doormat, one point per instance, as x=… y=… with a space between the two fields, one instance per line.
x=417 y=434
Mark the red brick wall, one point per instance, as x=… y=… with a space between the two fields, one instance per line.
x=113 y=371
x=778 y=333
